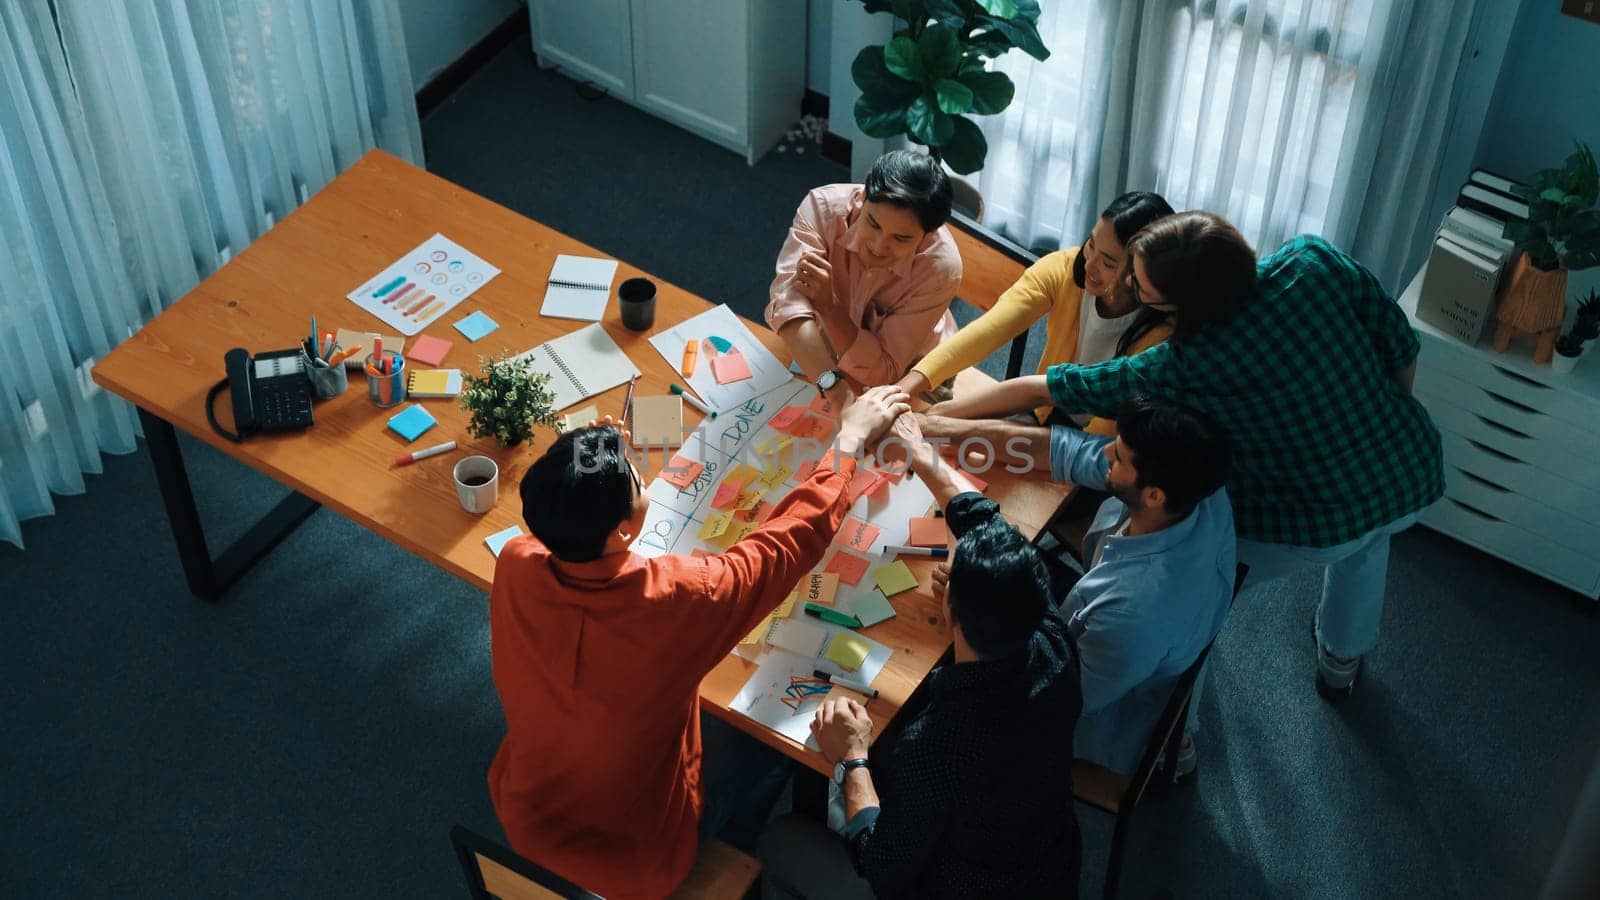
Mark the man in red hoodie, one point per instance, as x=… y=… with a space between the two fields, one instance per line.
x=598 y=653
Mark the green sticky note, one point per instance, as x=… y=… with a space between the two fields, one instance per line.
x=894 y=578
x=848 y=650
x=872 y=608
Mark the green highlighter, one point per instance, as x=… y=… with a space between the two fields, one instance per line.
x=833 y=616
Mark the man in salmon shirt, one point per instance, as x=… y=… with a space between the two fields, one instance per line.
x=598 y=653
x=865 y=279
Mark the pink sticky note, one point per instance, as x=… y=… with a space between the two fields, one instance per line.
x=429 y=349
x=863 y=482
x=727 y=492
x=680 y=472
x=856 y=534
x=730 y=367
x=785 y=417
x=847 y=566
x=821 y=405
x=810 y=427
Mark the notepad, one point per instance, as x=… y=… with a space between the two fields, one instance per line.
x=411 y=422
x=681 y=472
x=820 y=587
x=849 y=651
x=797 y=636
x=428 y=349
x=871 y=608
x=581 y=364
x=894 y=578
x=857 y=534
x=579 y=288
x=730 y=367
x=658 y=421
x=848 y=567
x=580 y=418
x=927 y=531
x=498 y=540
x=427 y=383
x=473 y=327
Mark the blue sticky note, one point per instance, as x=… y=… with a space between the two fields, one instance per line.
x=412 y=422
x=872 y=607
x=498 y=540
x=476 y=325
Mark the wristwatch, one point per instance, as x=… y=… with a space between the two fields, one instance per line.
x=829 y=380
x=843 y=769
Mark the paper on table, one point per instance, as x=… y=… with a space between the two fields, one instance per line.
x=420 y=287
x=871 y=607
x=785 y=417
x=848 y=650
x=894 y=578
x=730 y=367
x=847 y=566
x=856 y=534
x=715 y=526
x=580 y=418
x=498 y=540
x=797 y=636
x=587 y=288
x=761 y=698
x=766 y=372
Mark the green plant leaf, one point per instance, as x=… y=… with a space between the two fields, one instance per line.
x=879 y=122
x=954 y=97
x=966 y=149
x=1021 y=32
x=910 y=10
x=940 y=51
x=1554 y=195
x=950 y=13
x=991 y=91
x=926 y=124
x=974 y=63
x=1000 y=9
x=882 y=88
x=903 y=59
x=989 y=44
x=1028 y=11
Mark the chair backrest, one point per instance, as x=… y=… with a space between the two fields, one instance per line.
x=494 y=870
x=989 y=265
x=1166 y=737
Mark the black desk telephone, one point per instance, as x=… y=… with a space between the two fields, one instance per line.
x=270 y=393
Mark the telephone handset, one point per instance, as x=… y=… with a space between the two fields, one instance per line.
x=270 y=393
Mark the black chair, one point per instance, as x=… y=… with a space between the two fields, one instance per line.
x=1119 y=795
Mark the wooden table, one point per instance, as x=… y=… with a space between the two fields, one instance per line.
x=369 y=216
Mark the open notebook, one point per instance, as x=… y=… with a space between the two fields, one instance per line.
x=579 y=287
x=581 y=364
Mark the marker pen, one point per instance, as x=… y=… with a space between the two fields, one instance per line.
x=863 y=689
x=935 y=552
x=406 y=459
x=694 y=401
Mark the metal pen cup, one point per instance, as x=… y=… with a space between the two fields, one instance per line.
x=386 y=390
x=327 y=381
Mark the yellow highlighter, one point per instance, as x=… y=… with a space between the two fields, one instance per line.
x=691 y=355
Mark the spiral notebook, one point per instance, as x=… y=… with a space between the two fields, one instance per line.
x=581 y=364
x=579 y=287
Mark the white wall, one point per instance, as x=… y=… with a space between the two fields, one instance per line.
x=819 y=27
x=852 y=28
x=438 y=32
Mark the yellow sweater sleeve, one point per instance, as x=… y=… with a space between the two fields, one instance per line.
x=1019 y=307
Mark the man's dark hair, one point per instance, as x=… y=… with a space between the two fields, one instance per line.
x=999 y=587
x=1200 y=264
x=1129 y=213
x=577 y=493
x=1177 y=449
x=913 y=181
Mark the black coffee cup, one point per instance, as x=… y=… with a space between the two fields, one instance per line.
x=637 y=297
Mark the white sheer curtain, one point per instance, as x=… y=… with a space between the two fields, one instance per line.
x=140 y=145
x=1286 y=116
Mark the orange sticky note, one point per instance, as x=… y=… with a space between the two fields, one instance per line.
x=805 y=470
x=730 y=367
x=810 y=427
x=926 y=531
x=820 y=404
x=820 y=587
x=979 y=483
x=856 y=534
x=847 y=566
x=681 y=472
x=863 y=482
x=727 y=492
x=785 y=417
x=429 y=349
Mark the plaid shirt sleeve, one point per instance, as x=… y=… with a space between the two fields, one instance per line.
x=1385 y=322
x=1103 y=388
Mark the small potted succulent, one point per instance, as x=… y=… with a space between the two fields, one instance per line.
x=508 y=400
x=1569 y=347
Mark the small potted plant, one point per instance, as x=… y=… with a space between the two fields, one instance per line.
x=1587 y=322
x=508 y=400
x=1568 y=348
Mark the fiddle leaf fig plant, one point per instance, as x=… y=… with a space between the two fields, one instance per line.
x=933 y=75
x=1563 y=227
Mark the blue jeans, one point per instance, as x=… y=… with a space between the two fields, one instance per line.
x=742 y=779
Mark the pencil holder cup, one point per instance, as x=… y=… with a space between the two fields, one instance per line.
x=327 y=382
x=386 y=390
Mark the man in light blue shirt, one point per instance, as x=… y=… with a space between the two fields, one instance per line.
x=1159 y=568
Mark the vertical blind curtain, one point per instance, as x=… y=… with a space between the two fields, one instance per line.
x=1285 y=116
x=141 y=144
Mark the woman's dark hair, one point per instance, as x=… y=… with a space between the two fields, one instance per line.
x=913 y=181
x=1128 y=214
x=1175 y=448
x=577 y=493
x=1200 y=264
x=999 y=587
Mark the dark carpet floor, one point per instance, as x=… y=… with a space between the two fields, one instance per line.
x=317 y=734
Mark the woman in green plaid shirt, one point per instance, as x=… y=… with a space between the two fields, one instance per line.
x=1306 y=362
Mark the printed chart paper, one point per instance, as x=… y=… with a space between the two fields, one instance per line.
x=420 y=287
x=720 y=334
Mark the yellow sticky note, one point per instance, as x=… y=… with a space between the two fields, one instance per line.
x=735 y=534
x=848 y=650
x=749 y=497
x=759 y=633
x=774 y=477
x=894 y=578
x=716 y=525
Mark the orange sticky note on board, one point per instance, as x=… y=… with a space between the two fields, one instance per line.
x=680 y=472
x=820 y=587
x=758 y=513
x=927 y=531
x=785 y=417
x=805 y=470
x=730 y=367
x=810 y=427
x=727 y=492
x=857 y=534
x=820 y=404
x=860 y=483
x=848 y=566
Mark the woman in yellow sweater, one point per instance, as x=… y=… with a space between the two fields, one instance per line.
x=1112 y=323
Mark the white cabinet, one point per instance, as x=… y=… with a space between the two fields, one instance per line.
x=731 y=71
x=1521 y=453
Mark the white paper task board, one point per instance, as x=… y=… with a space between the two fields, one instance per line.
x=419 y=288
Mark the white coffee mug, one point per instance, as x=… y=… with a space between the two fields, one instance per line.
x=477 y=483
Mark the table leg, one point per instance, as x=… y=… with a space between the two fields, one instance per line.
x=207 y=578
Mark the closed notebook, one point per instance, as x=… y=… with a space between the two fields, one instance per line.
x=434 y=383
x=579 y=287
x=658 y=421
x=581 y=364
